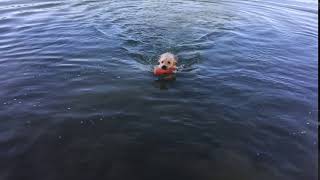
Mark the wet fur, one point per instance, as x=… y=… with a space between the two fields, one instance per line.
x=167 y=60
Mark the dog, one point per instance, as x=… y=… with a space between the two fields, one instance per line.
x=167 y=66
x=168 y=61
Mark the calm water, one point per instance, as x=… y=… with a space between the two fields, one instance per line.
x=78 y=99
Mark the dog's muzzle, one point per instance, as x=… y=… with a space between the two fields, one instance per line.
x=164 y=67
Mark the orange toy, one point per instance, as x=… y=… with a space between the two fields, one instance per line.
x=167 y=74
x=159 y=72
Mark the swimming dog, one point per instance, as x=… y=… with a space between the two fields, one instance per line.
x=167 y=61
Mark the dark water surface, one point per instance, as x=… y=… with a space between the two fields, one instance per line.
x=78 y=99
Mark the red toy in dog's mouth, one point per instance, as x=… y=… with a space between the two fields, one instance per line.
x=159 y=72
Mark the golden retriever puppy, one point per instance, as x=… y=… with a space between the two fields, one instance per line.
x=168 y=61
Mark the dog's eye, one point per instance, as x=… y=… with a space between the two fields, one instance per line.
x=161 y=61
x=169 y=62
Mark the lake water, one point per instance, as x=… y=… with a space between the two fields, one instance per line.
x=78 y=99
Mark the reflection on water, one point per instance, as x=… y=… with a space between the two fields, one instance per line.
x=163 y=83
x=78 y=99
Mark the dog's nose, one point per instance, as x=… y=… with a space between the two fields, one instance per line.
x=164 y=67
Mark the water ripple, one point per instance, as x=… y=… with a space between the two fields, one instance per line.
x=76 y=83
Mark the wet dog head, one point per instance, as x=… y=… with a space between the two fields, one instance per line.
x=167 y=61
